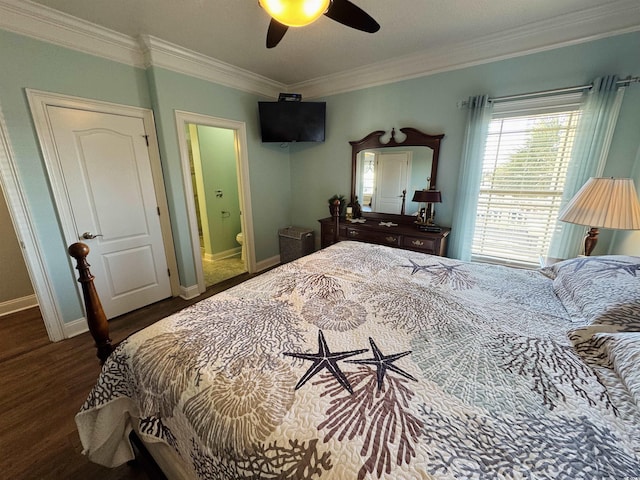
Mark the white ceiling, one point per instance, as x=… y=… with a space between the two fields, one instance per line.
x=412 y=31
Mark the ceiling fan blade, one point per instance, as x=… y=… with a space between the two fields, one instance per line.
x=275 y=33
x=345 y=12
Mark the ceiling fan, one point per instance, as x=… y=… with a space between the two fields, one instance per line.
x=298 y=13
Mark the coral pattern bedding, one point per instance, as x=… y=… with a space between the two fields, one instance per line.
x=364 y=361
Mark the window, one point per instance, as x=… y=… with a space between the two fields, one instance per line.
x=526 y=156
x=368 y=180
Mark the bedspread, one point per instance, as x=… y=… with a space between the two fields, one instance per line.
x=364 y=361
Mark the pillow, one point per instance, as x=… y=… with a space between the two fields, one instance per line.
x=615 y=351
x=600 y=290
x=548 y=272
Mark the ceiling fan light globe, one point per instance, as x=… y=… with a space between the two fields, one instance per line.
x=295 y=13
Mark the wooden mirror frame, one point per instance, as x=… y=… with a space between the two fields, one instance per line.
x=414 y=138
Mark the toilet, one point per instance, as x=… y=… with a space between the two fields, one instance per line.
x=240 y=240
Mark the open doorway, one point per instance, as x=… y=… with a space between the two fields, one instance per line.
x=215 y=166
x=213 y=163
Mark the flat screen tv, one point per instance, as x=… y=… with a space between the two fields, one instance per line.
x=292 y=121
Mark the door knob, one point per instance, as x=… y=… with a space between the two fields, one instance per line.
x=89 y=235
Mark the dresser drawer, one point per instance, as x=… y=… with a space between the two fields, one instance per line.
x=328 y=233
x=382 y=238
x=426 y=245
x=402 y=235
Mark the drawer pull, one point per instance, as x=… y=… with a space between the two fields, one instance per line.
x=390 y=239
x=417 y=243
x=353 y=233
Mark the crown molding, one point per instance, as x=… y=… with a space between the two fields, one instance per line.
x=49 y=25
x=159 y=53
x=43 y=23
x=566 y=30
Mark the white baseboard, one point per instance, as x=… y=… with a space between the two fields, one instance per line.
x=220 y=255
x=75 y=327
x=268 y=263
x=17 y=304
x=188 y=293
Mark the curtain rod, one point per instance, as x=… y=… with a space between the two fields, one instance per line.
x=620 y=83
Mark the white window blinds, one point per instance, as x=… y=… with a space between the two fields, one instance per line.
x=527 y=153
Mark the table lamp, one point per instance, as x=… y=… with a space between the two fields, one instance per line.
x=603 y=203
x=429 y=197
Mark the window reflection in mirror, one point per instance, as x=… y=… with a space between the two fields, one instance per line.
x=368 y=179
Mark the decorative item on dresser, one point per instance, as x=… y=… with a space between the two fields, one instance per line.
x=340 y=205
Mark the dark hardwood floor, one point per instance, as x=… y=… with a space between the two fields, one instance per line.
x=44 y=384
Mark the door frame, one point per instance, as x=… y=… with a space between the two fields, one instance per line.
x=27 y=238
x=38 y=103
x=184 y=118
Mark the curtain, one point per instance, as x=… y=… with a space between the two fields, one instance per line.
x=478 y=120
x=589 y=156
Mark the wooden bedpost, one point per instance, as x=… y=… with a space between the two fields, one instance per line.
x=96 y=318
x=335 y=213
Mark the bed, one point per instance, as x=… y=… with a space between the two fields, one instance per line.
x=362 y=361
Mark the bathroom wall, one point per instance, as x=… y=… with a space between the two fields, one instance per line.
x=219 y=169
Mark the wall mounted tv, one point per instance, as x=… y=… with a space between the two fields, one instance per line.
x=292 y=121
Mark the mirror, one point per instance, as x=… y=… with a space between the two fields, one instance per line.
x=379 y=175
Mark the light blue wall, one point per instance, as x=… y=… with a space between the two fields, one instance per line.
x=288 y=185
x=28 y=63
x=268 y=165
x=429 y=104
x=628 y=241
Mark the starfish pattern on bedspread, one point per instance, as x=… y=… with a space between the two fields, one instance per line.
x=384 y=363
x=630 y=268
x=613 y=265
x=416 y=268
x=444 y=274
x=505 y=385
x=425 y=268
x=325 y=359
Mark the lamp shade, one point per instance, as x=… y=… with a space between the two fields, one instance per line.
x=605 y=203
x=428 y=196
x=295 y=13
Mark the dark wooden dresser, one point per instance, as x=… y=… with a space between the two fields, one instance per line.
x=405 y=235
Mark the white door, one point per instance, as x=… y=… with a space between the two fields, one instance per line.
x=107 y=176
x=391 y=180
